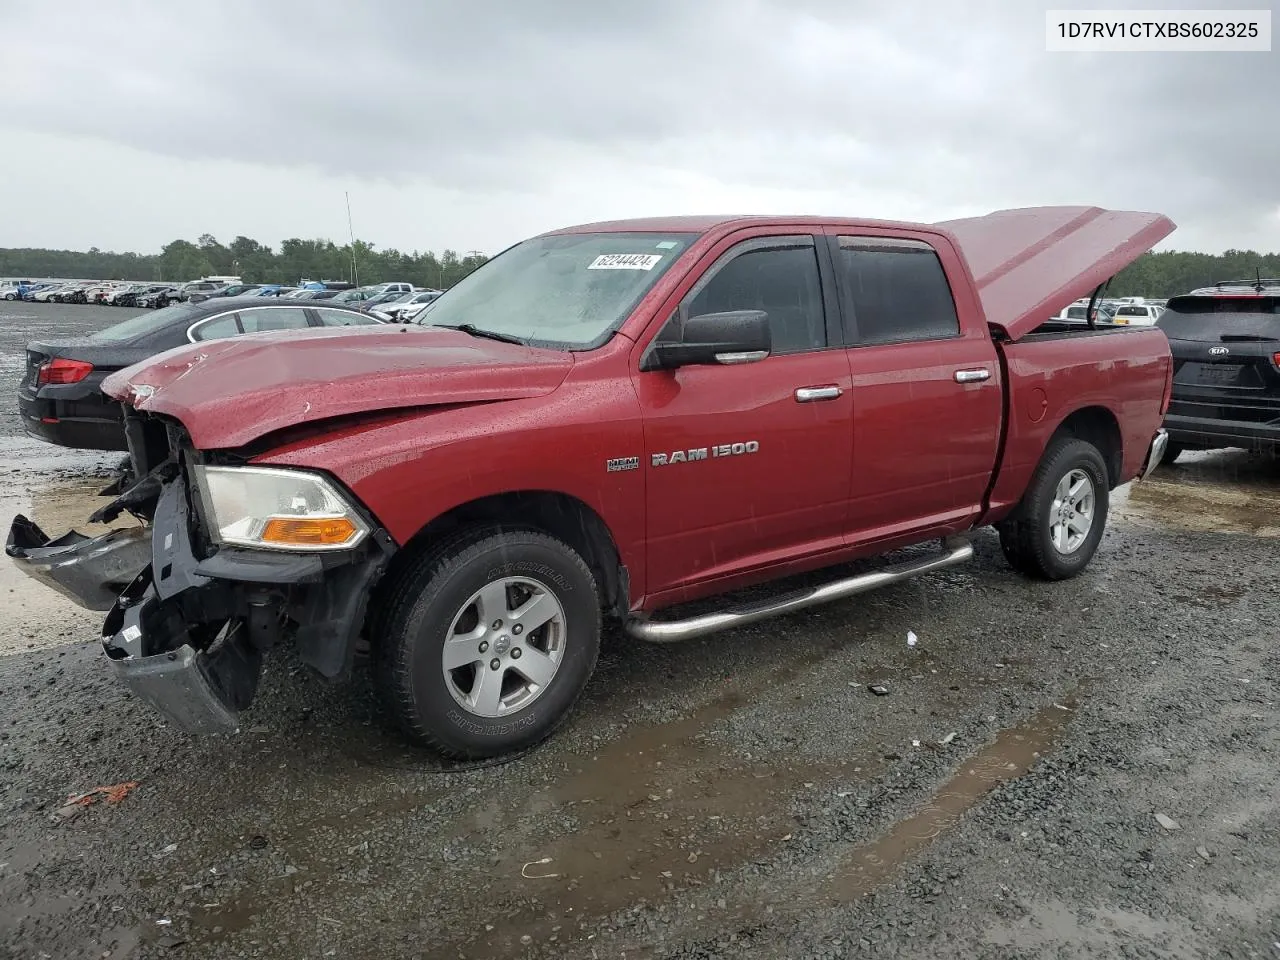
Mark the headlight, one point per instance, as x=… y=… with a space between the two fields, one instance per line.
x=277 y=509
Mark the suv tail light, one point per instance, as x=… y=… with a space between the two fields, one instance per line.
x=1168 y=389
x=60 y=370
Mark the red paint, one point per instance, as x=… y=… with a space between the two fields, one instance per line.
x=1031 y=262
x=904 y=454
x=228 y=392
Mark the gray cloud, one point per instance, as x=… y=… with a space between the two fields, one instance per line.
x=937 y=108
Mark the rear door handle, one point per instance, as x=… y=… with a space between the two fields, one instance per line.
x=810 y=394
x=976 y=375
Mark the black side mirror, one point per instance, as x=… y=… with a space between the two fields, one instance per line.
x=733 y=337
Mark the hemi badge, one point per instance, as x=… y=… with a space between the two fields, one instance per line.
x=619 y=464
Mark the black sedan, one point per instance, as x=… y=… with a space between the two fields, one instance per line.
x=60 y=397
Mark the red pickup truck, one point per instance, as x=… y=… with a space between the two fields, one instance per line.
x=602 y=423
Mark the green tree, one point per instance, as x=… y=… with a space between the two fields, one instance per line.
x=296 y=258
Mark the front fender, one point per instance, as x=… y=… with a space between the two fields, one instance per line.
x=411 y=470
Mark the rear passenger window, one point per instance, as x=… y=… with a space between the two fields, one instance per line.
x=778 y=275
x=894 y=290
x=343 y=318
x=273 y=318
x=217 y=329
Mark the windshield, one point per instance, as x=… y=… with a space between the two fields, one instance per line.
x=571 y=289
x=145 y=323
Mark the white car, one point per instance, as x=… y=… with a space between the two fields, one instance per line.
x=408 y=305
x=1137 y=314
x=1078 y=312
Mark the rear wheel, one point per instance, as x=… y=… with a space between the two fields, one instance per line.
x=486 y=644
x=1056 y=529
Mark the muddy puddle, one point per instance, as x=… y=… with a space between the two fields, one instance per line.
x=1011 y=755
x=58 y=491
x=1218 y=492
x=659 y=812
x=851 y=873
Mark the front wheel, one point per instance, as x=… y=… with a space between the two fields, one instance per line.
x=11 y=296
x=1055 y=531
x=486 y=644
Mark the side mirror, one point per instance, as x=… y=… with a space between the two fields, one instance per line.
x=733 y=337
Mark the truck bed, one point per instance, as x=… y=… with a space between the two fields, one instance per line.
x=1106 y=383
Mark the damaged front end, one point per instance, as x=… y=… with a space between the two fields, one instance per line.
x=193 y=600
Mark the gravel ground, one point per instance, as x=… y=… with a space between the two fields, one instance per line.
x=1085 y=769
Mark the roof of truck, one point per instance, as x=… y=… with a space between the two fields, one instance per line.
x=701 y=223
x=1027 y=263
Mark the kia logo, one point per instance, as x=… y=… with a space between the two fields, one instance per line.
x=1218 y=351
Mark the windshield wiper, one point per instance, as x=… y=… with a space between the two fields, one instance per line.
x=475 y=331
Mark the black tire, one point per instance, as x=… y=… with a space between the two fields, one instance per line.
x=410 y=633
x=1026 y=536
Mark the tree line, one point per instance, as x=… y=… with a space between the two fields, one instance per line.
x=1170 y=273
x=1152 y=275
x=295 y=259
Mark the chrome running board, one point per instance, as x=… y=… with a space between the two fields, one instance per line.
x=955 y=551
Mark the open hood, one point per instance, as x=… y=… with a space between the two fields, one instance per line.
x=1031 y=262
x=230 y=392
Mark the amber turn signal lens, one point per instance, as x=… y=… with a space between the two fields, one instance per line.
x=297 y=532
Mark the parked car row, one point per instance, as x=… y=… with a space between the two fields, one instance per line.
x=1130 y=311
x=398 y=300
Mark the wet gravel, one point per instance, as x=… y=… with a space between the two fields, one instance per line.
x=746 y=795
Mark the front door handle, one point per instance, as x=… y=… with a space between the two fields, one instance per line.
x=976 y=375
x=810 y=394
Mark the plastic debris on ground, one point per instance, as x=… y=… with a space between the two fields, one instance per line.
x=113 y=794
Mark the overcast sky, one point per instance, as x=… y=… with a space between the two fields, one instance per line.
x=472 y=125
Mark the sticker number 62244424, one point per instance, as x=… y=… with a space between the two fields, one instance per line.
x=625 y=261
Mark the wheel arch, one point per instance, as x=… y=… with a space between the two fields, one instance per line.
x=559 y=515
x=1096 y=425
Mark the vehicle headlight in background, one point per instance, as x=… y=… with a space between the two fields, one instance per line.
x=277 y=509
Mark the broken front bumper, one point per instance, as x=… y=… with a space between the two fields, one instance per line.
x=90 y=571
x=187 y=634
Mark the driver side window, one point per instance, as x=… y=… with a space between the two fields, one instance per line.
x=778 y=275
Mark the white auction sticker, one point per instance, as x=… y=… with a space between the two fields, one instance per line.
x=625 y=261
